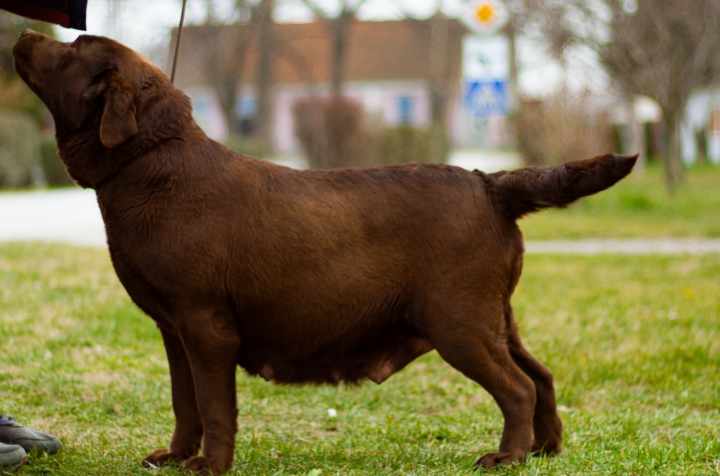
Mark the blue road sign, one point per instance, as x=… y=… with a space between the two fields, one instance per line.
x=487 y=97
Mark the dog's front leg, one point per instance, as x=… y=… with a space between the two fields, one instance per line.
x=212 y=347
x=188 y=425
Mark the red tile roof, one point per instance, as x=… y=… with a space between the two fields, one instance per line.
x=378 y=50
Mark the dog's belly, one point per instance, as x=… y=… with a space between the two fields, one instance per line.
x=374 y=357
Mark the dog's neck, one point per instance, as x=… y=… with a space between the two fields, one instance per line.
x=160 y=120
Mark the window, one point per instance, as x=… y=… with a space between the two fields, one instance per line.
x=245 y=110
x=406 y=109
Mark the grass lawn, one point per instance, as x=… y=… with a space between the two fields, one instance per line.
x=634 y=344
x=638 y=207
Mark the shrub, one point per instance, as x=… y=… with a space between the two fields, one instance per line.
x=561 y=129
x=335 y=132
x=403 y=144
x=53 y=168
x=19 y=150
x=332 y=132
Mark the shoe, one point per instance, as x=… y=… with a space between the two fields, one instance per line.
x=12 y=433
x=11 y=456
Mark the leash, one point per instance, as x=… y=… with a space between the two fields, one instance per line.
x=177 y=41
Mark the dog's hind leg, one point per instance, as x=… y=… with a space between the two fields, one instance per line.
x=546 y=422
x=188 y=432
x=472 y=339
x=212 y=346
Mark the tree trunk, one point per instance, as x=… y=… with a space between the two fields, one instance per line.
x=513 y=66
x=228 y=92
x=634 y=142
x=227 y=64
x=209 y=12
x=672 y=160
x=439 y=85
x=513 y=118
x=339 y=30
x=264 y=77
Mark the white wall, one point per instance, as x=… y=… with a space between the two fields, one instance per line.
x=379 y=98
x=207 y=112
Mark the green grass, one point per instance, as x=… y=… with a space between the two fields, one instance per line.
x=634 y=344
x=637 y=207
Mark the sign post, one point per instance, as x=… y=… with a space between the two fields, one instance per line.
x=487 y=97
x=485 y=17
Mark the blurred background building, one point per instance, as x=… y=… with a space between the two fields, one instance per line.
x=477 y=83
x=386 y=72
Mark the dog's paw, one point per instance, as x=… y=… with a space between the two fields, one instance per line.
x=551 y=447
x=492 y=460
x=198 y=465
x=161 y=457
x=548 y=436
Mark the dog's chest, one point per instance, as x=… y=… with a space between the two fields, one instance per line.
x=140 y=287
x=160 y=278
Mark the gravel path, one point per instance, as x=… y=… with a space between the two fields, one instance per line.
x=72 y=216
x=641 y=246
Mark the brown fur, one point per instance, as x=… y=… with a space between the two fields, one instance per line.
x=298 y=276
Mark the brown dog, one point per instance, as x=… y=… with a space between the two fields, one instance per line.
x=298 y=276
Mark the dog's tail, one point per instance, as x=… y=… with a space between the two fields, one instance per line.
x=527 y=190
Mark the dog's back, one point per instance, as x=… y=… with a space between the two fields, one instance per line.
x=349 y=258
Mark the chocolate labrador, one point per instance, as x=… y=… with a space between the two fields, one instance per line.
x=298 y=276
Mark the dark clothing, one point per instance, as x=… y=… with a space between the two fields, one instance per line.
x=68 y=13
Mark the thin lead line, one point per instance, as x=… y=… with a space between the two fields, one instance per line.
x=177 y=42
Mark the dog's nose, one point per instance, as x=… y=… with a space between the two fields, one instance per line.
x=28 y=33
x=27 y=39
x=23 y=46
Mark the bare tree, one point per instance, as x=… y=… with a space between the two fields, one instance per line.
x=338 y=25
x=227 y=46
x=264 y=70
x=439 y=83
x=436 y=32
x=519 y=17
x=664 y=51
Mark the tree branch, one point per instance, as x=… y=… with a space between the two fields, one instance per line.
x=316 y=9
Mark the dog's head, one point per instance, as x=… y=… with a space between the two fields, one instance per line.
x=102 y=95
x=91 y=81
x=90 y=76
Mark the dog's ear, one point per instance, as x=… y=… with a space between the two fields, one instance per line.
x=118 y=122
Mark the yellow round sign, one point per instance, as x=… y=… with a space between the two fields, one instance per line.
x=485 y=13
x=485 y=16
